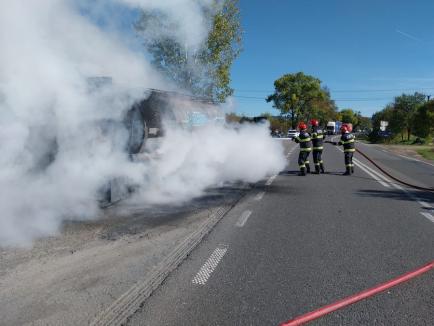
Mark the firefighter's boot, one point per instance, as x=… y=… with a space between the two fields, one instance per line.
x=321 y=166
x=302 y=172
x=348 y=171
x=352 y=168
x=317 y=169
x=307 y=168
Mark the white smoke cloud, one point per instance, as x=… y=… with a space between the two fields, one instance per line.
x=189 y=162
x=48 y=50
x=185 y=15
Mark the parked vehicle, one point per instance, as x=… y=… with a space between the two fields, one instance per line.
x=333 y=127
x=292 y=133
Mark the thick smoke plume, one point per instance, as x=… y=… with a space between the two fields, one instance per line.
x=189 y=162
x=55 y=156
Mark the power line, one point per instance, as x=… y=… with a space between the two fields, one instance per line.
x=338 y=99
x=348 y=90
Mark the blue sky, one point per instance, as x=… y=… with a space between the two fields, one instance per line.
x=366 y=51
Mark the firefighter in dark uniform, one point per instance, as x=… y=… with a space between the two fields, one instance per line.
x=348 y=140
x=318 y=146
x=305 y=148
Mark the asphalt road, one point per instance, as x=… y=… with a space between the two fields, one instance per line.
x=408 y=168
x=294 y=244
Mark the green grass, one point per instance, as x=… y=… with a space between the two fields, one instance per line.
x=427 y=153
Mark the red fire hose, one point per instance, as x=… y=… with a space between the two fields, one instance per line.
x=301 y=320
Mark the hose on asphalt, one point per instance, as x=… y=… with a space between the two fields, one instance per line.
x=391 y=176
x=387 y=173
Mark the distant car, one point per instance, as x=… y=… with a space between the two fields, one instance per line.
x=292 y=133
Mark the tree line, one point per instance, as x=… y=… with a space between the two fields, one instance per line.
x=408 y=114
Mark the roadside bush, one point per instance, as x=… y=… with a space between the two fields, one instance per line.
x=418 y=141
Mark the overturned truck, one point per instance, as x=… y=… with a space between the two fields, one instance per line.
x=148 y=118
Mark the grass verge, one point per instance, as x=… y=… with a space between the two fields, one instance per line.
x=427 y=153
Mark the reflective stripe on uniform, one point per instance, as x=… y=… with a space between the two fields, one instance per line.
x=305 y=149
x=318 y=148
x=347 y=142
x=350 y=150
x=304 y=140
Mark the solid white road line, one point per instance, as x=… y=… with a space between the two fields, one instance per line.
x=376 y=173
x=210 y=265
x=403 y=156
x=259 y=196
x=368 y=171
x=243 y=218
x=411 y=195
x=428 y=216
x=409 y=158
x=414 y=159
x=372 y=175
x=270 y=181
x=424 y=204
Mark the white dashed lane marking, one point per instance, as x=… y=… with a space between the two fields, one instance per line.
x=210 y=265
x=290 y=152
x=243 y=218
x=428 y=216
x=270 y=181
x=259 y=196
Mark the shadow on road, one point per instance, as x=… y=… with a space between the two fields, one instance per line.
x=399 y=195
x=330 y=173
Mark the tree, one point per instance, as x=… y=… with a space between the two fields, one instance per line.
x=423 y=120
x=323 y=109
x=364 y=123
x=295 y=95
x=204 y=71
x=232 y=118
x=406 y=106
x=349 y=116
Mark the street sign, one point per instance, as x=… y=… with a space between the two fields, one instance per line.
x=383 y=125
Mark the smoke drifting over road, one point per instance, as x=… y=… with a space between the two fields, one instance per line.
x=189 y=162
x=49 y=49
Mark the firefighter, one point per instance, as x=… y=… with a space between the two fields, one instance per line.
x=318 y=143
x=347 y=140
x=305 y=148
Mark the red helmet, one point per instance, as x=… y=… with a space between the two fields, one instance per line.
x=314 y=123
x=302 y=126
x=344 y=128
